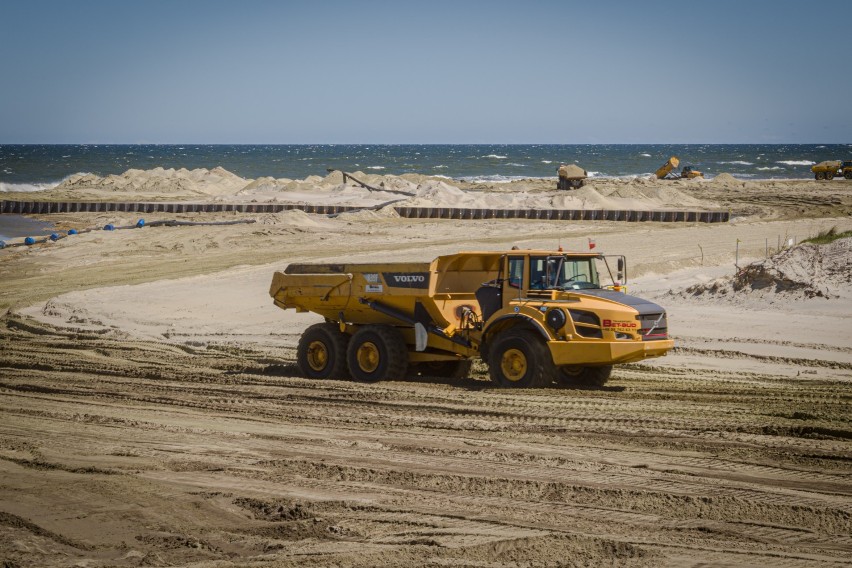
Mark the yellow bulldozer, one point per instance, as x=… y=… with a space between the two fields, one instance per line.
x=667 y=171
x=533 y=316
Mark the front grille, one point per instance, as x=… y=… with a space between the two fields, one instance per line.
x=653 y=327
x=586 y=323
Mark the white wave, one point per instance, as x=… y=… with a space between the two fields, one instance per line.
x=646 y=155
x=599 y=175
x=547 y=161
x=441 y=167
x=796 y=162
x=516 y=164
x=738 y=163
x=497 y=178
x=495 y=156
x=375 y=167
x=770 y=169
x=26 y=187
x=820 y=146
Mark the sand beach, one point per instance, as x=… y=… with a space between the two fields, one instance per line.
x=152 y=413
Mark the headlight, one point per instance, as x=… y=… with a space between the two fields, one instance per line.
x=555 y=318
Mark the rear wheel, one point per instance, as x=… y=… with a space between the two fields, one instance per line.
x=519 y=358
x=829 y=175
x=377 y=353
x=584 y=376
x=820 y=176
x=321 y=353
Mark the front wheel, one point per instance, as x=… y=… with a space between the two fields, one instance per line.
x=321 y=353
x=520 y=359
x=377 y=353
x=848 y=175
x=584 y=376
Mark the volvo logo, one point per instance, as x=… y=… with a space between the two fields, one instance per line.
x=407 y=279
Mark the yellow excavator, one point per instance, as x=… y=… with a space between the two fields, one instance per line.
x=667 y=171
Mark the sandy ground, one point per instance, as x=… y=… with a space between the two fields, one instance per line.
x=152 y=413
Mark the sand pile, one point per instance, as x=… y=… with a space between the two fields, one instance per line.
x=411 y=190
x=293 y=218
x=367 y=215
x=265 y=184
x=804 y=271
x=639 y=195
x=159 y=181
x=725 y=179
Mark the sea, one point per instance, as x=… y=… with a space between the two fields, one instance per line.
x=40 y=167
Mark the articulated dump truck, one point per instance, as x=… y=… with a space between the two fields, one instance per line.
x=533 y=316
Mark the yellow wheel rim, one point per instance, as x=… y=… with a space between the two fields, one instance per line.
x=514 y=364
x=368 y=357
x=317 y=355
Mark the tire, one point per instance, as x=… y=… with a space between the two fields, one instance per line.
x=584 y=376
x=820 y=176
x=829 y=176
x=377 y=353
x=321 y=353
x=449 y=369
x=848 y=175
x=519 y=358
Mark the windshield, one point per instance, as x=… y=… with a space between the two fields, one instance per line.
x=563 y=273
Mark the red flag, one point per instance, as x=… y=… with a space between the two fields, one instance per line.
x=591 y=244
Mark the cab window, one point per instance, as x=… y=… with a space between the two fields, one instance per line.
x=516 y=271
x=539 y=272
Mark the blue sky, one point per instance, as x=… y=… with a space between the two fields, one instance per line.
x=425 y=72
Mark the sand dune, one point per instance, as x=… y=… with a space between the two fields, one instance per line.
x=412 y=190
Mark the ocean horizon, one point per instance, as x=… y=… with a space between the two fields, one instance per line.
x=35 y=167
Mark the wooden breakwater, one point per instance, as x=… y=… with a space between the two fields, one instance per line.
x=45 y=207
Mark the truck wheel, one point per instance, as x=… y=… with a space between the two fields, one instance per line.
x=377 y=353
x=820 y=176
x=848 y=175
x=829 y=175
x=519 y=358
x=321 y=353
x=584 y=376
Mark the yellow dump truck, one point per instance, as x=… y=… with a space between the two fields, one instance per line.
x=570 y=176
x=532 y=316
x=827 y=170
x=666 y=171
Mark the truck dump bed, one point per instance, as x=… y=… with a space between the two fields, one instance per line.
x=334 y=290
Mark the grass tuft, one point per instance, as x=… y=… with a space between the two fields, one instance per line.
x=825 y=237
